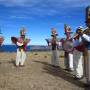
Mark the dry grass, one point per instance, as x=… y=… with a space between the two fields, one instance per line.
x=38 y=73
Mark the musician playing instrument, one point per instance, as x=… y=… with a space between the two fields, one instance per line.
x=68 y=61
x=78 y=54
x=55 y=56
x=86 y=39
x=21 y=44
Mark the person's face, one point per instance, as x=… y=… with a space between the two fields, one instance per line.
x=23 y=36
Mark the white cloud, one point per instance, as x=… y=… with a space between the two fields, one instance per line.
x=20 y=3
x=63 y=3
x=12 y=2
x=20 y=17
x=42 y=7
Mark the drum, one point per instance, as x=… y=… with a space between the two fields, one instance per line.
x=68 y=46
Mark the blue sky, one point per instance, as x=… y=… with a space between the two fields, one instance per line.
x=39 y=16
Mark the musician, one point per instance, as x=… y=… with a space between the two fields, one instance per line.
x=86 y=40
x=55 y=57
x=68 y=61
x=78 y=55
x=21 y=48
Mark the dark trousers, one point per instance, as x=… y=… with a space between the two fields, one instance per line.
x=66 y=60
x=87 y=65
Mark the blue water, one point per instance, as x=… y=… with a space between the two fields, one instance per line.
x=13 y=48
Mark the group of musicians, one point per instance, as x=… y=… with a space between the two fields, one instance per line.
x=76 y=59
x=76 y=48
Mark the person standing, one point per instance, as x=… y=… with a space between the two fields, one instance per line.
x=78 y=54
x=86 y=40
x=68 y=61
x=21 y=48
x=54 y=45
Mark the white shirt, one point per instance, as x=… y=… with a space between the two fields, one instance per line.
x=77 y=42
x=86 y=37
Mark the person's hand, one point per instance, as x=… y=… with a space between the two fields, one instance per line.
x=81 y=33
